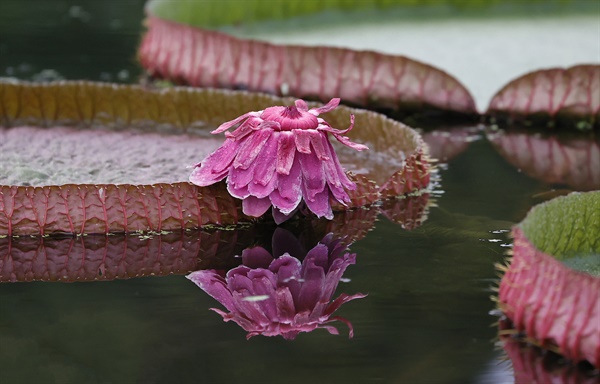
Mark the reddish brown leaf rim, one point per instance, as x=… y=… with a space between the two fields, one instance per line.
x=558 y=95
x=124 y=256
x=551 y=303
x=202 y=58
x=553 y=159
x=105 y=208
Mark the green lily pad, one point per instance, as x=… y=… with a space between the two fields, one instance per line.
x=551 y=289
x=568 y=228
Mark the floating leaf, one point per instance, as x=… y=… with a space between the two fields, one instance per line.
x=556 y=306
x=559 y=96
x=397 y=163
x=555 y=159
x=189 y=55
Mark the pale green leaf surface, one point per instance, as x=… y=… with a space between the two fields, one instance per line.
x=568 y=228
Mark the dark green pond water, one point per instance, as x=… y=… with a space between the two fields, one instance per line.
x=425 y=320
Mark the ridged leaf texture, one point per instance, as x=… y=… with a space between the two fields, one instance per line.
x=108 y=208
x=203 y=58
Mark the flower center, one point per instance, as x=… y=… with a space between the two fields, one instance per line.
x=290 y=118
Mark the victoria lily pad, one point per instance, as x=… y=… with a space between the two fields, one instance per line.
x=396 y=164
x=189 y=55
x=557 y=96
x=551 y=289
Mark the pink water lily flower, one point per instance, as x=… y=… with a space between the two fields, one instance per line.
x=280 y=157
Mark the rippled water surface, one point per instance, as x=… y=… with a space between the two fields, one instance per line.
x=426 y=317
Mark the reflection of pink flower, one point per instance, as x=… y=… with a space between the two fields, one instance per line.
x=281 y=296
x=280 y=156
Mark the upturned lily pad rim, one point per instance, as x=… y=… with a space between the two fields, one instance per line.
x=50 y=210
x=159 y=63
x=554 y=305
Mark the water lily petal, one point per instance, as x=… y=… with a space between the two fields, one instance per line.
x=333 y=103
x=239 y=177
x=256 y=257
x=330 y=168
x=302 y=139
x=264 y=288
x=341 y=174
x=215 y=167
x=288 y=193
x=321 y=206
x=266 y=162
x=290 y=118
x=285 y=241
x=250 y=148
x=339 y=135
x=225 y=126
x=311 y=291
x=253 y=206
x=241 y=192
x=215 y=285
x=312 y=175
x=342 y=299
x=345 y=321
x=286 y=308
x=260 y=191
x=287 y=269
x=318 y=141
x=318 y=256
x=250 y=309
x=301 y=105
x=331 y=329
x=245 y=129
x=284 y=204
x=280 y=217
x=286 y=150
x=237 y=279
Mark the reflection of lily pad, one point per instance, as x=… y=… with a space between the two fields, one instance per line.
x=559 y=96
x=203 y=58
x=396 y=165
x=555 y=159
x=104 y=258
x=532 y=365
x=552 y=304
x=447 y=143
